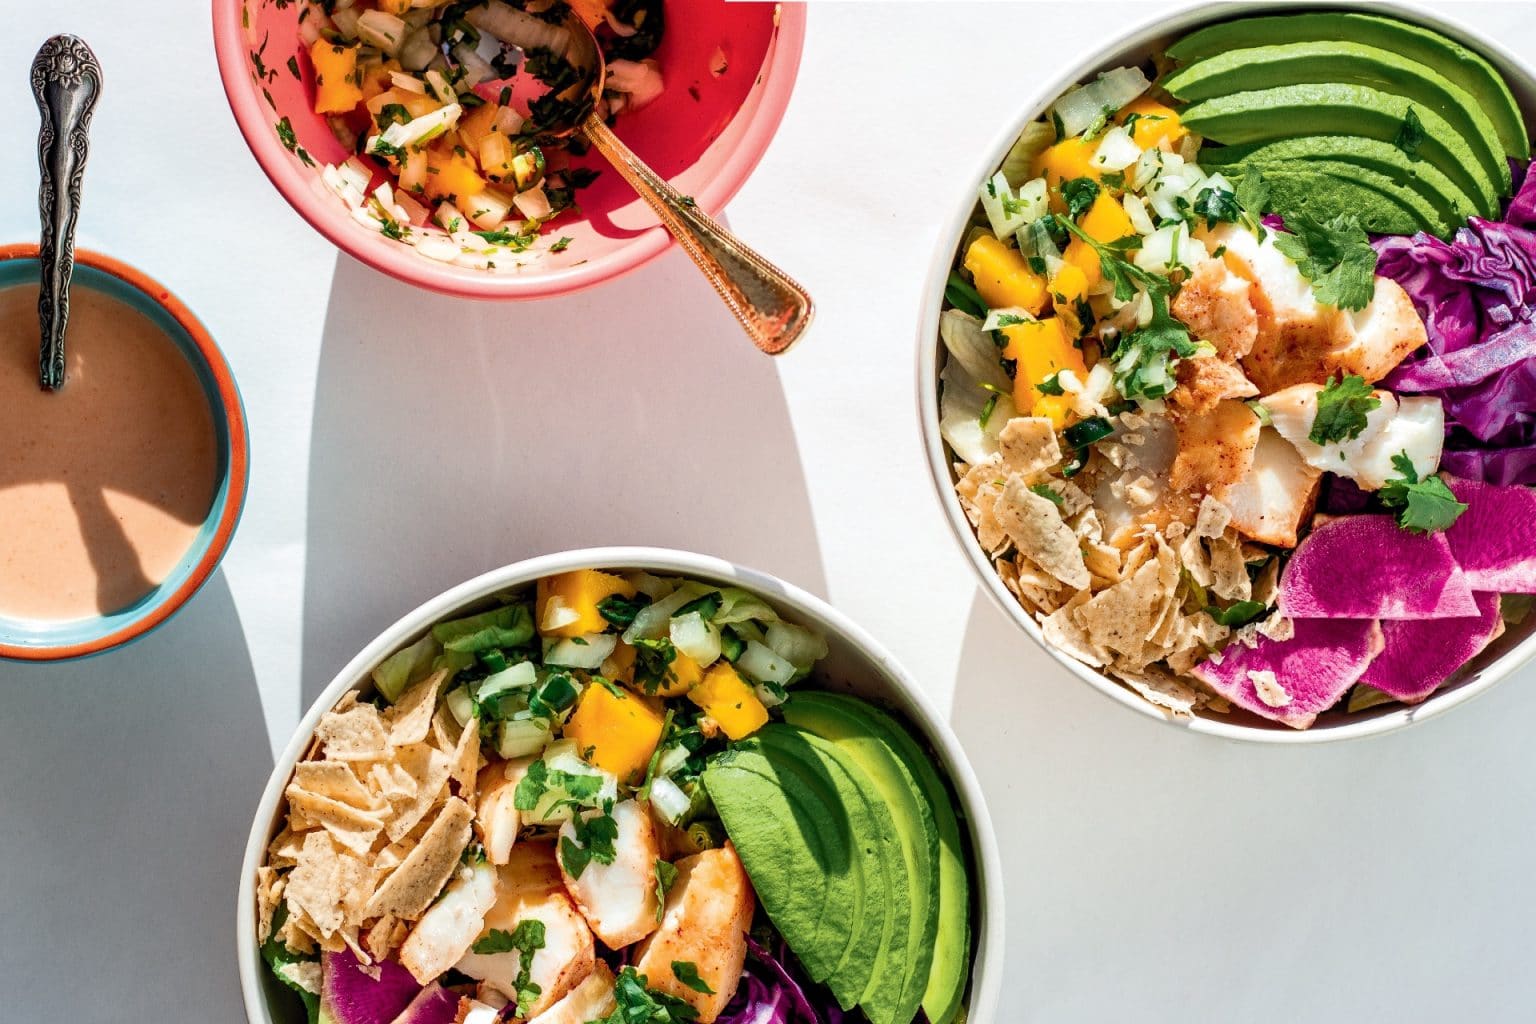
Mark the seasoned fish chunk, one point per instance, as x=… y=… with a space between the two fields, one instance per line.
x=591 y=1000
x=1216 y=448
x=705 y=922
x=1275 y=496
x=619 y=899
x=1371 y=342
x=445 y=931
x=1215 y=305
x=1412 y=425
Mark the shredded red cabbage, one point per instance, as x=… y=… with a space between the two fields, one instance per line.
x=1477 y=295
x=773 y=991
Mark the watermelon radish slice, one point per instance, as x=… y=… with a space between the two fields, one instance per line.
x=1495 y=538
x=433 y=1005
x=1420 y=654
x=354 y=993
x=1365 y=567
x=1292 y=681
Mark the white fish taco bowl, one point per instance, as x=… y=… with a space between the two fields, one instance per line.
x=856 y=664
x=1503 y=656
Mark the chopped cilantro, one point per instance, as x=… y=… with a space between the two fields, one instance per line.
x=561 y=244
x=285 y=134
x=1342 y=406
x=620 y=610
x=653 y=663
x=687 y=972
x=1010 y=320
x=639 y=1004
x=1335 y=255
x=1048 y=492
x=1238 y=613
x=1253 y=194
x=1079 y=194
x=1085 y=432
x=987 y=410
x=540 y=779
x=1051 y=385
x=732 y=646
x=1422 y=506
x=1217 y=206
x=1143 y=359
x=525 y=940
x=666 y=875
x=595 y=835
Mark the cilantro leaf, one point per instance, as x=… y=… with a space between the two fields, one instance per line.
x=1238 y=613
x=1423 y=505
x=639 y=1004
x=666 y=875
x=1143 y=360
x=1126 y=276
x=1342 y=406
x=987 y=410
x=540 y=779
x=687 y=972
x=1253 y=194
x=1335 y=255
x=1051 y=385
x=1217 y=206
x=1411 y=135
x=1049 y=493
x=620 y=610
x=525 y=940
x=595 y=836
x=1079 y=194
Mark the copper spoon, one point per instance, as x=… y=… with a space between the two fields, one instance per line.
x=772 y=308
x=66 y=79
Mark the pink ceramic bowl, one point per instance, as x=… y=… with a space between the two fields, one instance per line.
x=705 y=134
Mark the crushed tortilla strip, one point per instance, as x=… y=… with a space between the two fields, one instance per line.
x=1277 y=627
x=303 y=973
x=269 y=891
x=320 y=883
x=391 y=782
x=1062 y=630
x=298 y=933
x=412 y=887
x=336 y=781
x=283 y=850
x=464 y=763
x=1120 y=617
x=1028 y=445
x=1034 y=523
x=428 y=769
x=1159 y=688
x=1229 y=572
x=351 y=827
x=1213 y=518
x=376 y=940
x=445 y=730
x=411 y=718
x=970 y=478
x=1268 y=688
x=1195 y=560
x=357 y=734
x=1266 y=586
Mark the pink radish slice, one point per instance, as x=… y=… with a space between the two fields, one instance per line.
x=351 y=993
x=435 y=1005
x=1420 y=654
x=1366 y=567
x=1312 y=670
x=1495 y=538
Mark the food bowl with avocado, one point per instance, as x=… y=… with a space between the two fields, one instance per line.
x=1227 y=374
x=616 y=785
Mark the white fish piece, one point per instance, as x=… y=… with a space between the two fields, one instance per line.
x=705 y=922
x=591 y=1000
x=619 y=899
x=446 y=931
x=1269 y=503
x=1371 y=342
x=1415 y=425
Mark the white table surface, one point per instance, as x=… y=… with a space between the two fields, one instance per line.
x=403 y=442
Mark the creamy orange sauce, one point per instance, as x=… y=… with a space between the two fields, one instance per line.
x=105 y=483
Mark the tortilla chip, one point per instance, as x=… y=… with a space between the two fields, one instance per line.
x=1228 y=570
x=412 y=887
x=1120 y=617
x=972 y=477
x=269 y=890
x=1213 y=518
x=298 y=933
x=377 y=940
x=391 y=782
x=1028 y=445
x=333 y=814
x=411 y=717
x=303 y=973
x=446 y=730
x=1159 y=688
x=357 y=734
x=1196 y=562
x=1062 y=630
x=428 y=768
x=319 y=885
x=1102 y=560
x=337 y=781
x=465 y=762
x=1266 y=586
x=283 y=850
x=1034 y=523
x=1277 y=627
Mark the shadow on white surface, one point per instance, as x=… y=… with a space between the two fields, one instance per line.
x=452 y=437
x=125 y=812
x=1213 y=873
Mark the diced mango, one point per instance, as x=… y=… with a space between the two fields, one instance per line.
x=476 y=125
x=1155 y=123
x=1039 y=349
x=496 y=155
x=376 y=79
x=730 y=701
x=1069 y=285
x=338 y=87
x=580 y=592
x=1106 y=220
x=416 y=104
x=453 y=178
x=1084 y=257
x=682 y=675
x=620 y=665
x=1002 y=277
x=615 y=730
x=590 y=11
x=1066 y=160
x=1056 y=408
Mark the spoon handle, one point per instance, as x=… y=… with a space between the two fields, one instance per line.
x=772 y=308
x=66 y=79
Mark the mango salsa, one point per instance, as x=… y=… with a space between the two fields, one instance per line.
x=1066 y=160
x=1155 y=123
x=1039 y=349
x=615 y=730
x=1106 y=220
x=730 y=701
x=1056 y=408
x=620 y=666
x=682 y=675
x=1085 y=258
x=1002 y=277
x=580 y=591
x=338 y=87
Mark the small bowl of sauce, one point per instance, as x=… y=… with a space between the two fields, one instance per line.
x=120 y=492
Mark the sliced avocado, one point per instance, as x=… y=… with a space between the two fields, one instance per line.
x=1326 y=189
x=852 y=732
x=1265 y=67
x=1452 y=204
x=795 y=847
x=1338 y=108
x=1466 y=68
x=951 y=968
x=885 y=897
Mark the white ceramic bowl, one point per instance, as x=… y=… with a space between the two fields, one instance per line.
x=856 y=663
x=1504 y=656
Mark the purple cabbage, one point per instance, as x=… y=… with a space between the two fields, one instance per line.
x=773 y=991
x=1477 y=295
